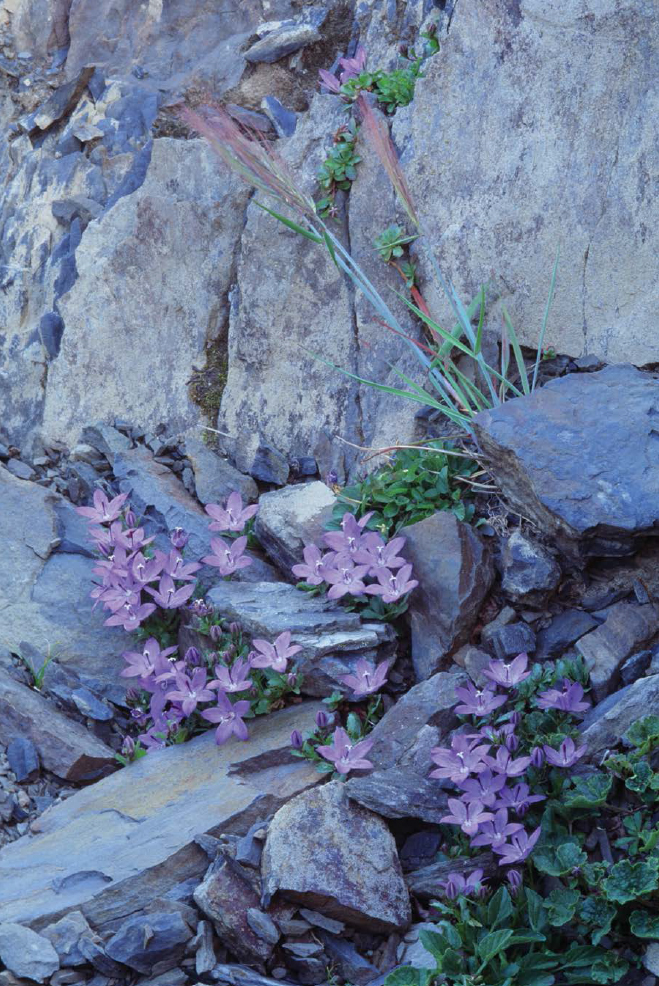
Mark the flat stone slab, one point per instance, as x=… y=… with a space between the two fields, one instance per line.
x=332 y=638
x=580 y=457
x=112 y=848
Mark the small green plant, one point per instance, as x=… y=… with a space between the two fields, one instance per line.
x=391 y=89
x=415 y=485
x=338 y=170
x=38 y=673
x=391 y=242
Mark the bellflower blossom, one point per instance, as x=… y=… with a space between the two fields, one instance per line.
x=503 y=763
x=233 y=679
x=392 y=585
x=344 y=754
x=228 y=558
x=463 y=759
x=229 y=718
x=496 y=832
x=566 y=755
x=519 y=798
x=508 y=675
x=367 y=679
x=568 y=700
x=104 y=511
x=460 y=883
x=274 y=655
x=519 y=847
x=315 y=566
x=168 y=596
x=346 y=579
x=475 y=702
x=233 y=516
x=147 y=661
x=468 y=816
x=483 y=787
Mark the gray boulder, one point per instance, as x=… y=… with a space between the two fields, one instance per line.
x=147 y=940
x=577 y=458
x=335 y=857
x=284 y=39
x=549 y=177
x=564 y=629
x=65 y=936
x=626 y=628
x=291 y=518
x=529 y=572
x=27 y=954
x=64 y=746
x=134 y=830
x=605 y=725
x=455 y=573
x=215 y=478
x=226 y=896
x=332 y=638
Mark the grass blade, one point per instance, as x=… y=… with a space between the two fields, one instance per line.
x=519 y=359
x=541 y=340
x=291 y=225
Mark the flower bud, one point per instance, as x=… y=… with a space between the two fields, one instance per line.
x=332 y=478
x=511 y=742
x=139 y=717
x=451 y=889
x=128 y=747
x=322 y=719
x=296 y=739
x=516 y=718
x=215 y=634
x=192 y=657
x=132 y=695
x=105 y=549
x=130 y=518
x=291 y=678
x=514 y=878
x=537 y=757
x=179 y=537
x=235 y=628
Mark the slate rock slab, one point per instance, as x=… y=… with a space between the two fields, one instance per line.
x=146 y=940
x=65 y=747
x=134 y=832
x=335 y=857
x=226 y=896
x=605 y=725
x=529 y=571
x=65 y=936
x=455 y=572
x=626 y=628
x=291 y=518
x=580 y=457
x=565 y=628
x=215 y=478
x=26 y=953
x=332 y=639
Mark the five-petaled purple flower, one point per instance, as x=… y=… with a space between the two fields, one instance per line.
x=190 y=690
x=467 y=815
x=168 y=596
x=346 y=578
x=566 y=755
x=508 y=675
x=145 y=662
x=233 y=679
x=463 y=759
x=344 y=754
x=475 y=702
x=233 y=516
x=503 y=763
x=275 y=655
x=316 y=565
x=570 y=699
x=392 y=585
x=229 y=718
x=367 y=679
x=519 y=847
x=228 y=558
x=104 y=511
x=460 y=883
x=496 y=832
x=519 y=798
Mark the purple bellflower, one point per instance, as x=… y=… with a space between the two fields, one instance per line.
x=508 y=675
x=344 y=754
x=315 y=565
x=129 y=617
x=274 y=655
x=190 y=690
x=566 y=755
x=346 y=578
x=146 y=662
x=484 y=787
x=367 y=679
x=463 y=759
x=233 y=516
x=103 y=511
x=229 y=718
x=465 y=884
x=503 y=763
x=233 y=679
x=379 y=554
x=168 y=596
x=568 y=700
x=519 y=798
x=519 y=847
x=477 y=702
x=468 y=816
x=496 y=832
x=227 y=557
x=393 y=585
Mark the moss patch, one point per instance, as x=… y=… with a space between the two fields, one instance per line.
x=206 y=385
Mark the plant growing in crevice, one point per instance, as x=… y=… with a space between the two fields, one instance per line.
x=338 y=170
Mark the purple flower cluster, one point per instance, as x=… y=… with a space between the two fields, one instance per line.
x=483 y=765
x=178 y=689
x=134 y=578
x=356 y=555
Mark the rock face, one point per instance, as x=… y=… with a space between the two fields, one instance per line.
x=455 y=573
x=66 y=748
x=292 y=518
x=337 y=858
x=38 y=573
x=27 y=954
x=332 y=639
x=178 y=229
x=134 y=831
x=578 y=457
x=626 y=628
x=399 y=787
x=606 y=724
x=531 y=61
x=529 y=571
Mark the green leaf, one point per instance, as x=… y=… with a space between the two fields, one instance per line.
x=645 y=730
x=597 y=912
x=407 y=975
x=535 y=909
x=609 y=969
x=644 y=925
x=627 y=881
x=558 y=860
x=519 y=359
x=588 y=792
x=491 y=944
x=561 y=905
x=543 y=328
x=499 y=909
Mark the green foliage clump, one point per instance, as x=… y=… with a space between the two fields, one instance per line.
x=338 y=170
x=418 y=483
